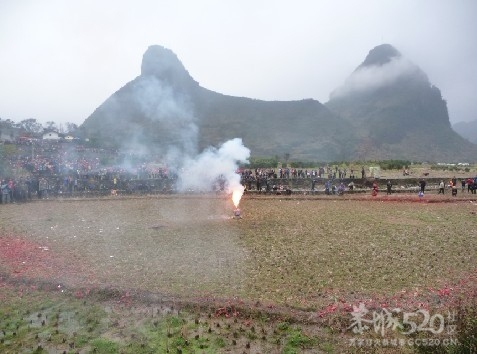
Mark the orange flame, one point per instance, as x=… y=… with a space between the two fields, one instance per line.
x=236 y=196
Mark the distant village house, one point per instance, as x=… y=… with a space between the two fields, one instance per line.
x=51 y=135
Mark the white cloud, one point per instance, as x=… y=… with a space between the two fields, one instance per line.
x=375 y=76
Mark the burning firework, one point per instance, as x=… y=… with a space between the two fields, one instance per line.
x=236 y=196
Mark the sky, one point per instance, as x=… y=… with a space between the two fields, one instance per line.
x=61 y=59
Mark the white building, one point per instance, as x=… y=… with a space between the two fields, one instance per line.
x=51 y=135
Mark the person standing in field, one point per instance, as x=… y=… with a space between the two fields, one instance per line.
x=375 y=189
x=5 y=193
x=453 y=186
x=470 y=182
x=441 y=187
x=422 y=183
x=351 y=185
x=11 y=188
x=389 y=187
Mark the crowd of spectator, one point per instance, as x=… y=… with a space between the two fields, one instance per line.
x=327 y=171
x=268 y=180
x=42 y=169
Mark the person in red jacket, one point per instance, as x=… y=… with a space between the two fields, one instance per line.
x=375 y=189
x=470 y=183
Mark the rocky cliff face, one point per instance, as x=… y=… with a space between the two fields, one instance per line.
x=164 y=64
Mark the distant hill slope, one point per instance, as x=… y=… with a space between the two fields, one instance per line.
x=304 y=129
x=386 y=110
x=467 y=130
x=396 y=112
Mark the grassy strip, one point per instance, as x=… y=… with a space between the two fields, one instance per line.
x=59 y=322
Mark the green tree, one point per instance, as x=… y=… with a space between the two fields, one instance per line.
x=50 y=125
x=31 y=125
x=71 y=128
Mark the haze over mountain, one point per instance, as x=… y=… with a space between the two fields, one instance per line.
x=396 y=112
x=468 y=130
x=387 y=109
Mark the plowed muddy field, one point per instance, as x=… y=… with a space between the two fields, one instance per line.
x=180 y=274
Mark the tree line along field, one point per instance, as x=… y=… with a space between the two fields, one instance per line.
x=292 y=268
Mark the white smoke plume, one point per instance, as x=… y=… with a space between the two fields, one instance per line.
x=160 y=103
x=199 y=173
